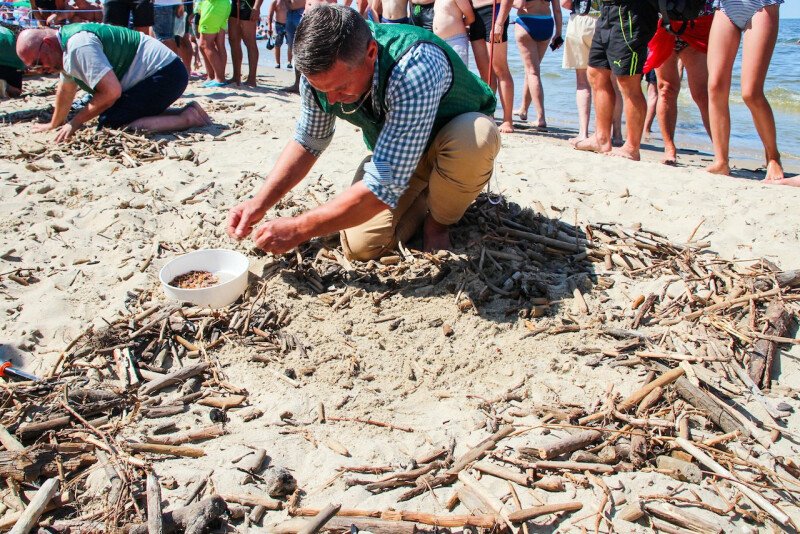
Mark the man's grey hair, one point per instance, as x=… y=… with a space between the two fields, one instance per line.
x=328 y=33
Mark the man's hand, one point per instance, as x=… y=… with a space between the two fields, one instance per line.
x=279 y=235
x=255 y=15
x=498 y=32
x=243 y=217
x=46 y=127
x=65 y=132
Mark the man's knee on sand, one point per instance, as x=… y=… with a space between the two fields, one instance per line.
x=364 y=246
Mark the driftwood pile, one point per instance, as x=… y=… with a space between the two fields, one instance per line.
x=703 y=415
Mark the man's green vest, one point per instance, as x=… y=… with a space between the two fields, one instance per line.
x=8 y=50
x=466 y=94
x=119 y=45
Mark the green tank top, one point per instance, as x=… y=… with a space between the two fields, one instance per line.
x=8 y=50
x=119 y=45
x=468 y=93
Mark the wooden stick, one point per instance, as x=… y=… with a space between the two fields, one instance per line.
x=763 y=350
x=495 y=504
x=173 y=378
x=9 y=441
x=731 y=302
x=155 y=524
x=189 y=452
x=527 y=514
x=504 y=473
x=565 y=445
x=253 y=500
x=200 y=434
x=371 y=422
x=638 y=395
x=319 y=521
x=30 y=516
x=480 y=521
x=573 y=466
x=757 y=498
x=682 y=518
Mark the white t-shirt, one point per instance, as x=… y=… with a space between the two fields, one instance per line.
x=84 y=59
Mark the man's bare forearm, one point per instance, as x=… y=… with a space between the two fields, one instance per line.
x=354 y=206
x=64 y=95
x=292 y=166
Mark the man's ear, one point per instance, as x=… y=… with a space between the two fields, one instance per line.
x=372 y=51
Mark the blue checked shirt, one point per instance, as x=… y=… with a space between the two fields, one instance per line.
x=415 y=87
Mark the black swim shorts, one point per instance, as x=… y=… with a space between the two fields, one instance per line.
x=482 y=27
x=148 y=98
x=621 y=36
x=118 y=12
x=422 y=16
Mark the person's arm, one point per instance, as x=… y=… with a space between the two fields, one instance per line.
x=557 y=17
x=314 y=132
x=502 y=15
x=466 y=9
x=65 y=94
x=272 y=9
x=106 y=92
x=566 y=4
x=255 y=13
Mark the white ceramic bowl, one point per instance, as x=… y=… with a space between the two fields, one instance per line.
x=229 y=266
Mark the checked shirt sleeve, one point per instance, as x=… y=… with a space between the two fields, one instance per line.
x=315 y=127
x=413 y=92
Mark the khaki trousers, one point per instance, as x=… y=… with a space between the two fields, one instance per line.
x=449 y=176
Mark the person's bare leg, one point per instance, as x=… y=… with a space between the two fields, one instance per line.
x=223 y=56
x=759 y=43
x=669 y=86
x=505 y=85
x=528 y=53
x=603 y=90
x=652 y=104
x=522 y=111
x=235 y=38
x=481 y=55
x=617 y=139
x=206 y=48
x=695 y=63
x=435 y=236
x=288 y=55
x=185 y=53
x=190 y=117
x=583 y=100
x=635 y=111
x=249 y=38
x=534 y=78
x=723 y=44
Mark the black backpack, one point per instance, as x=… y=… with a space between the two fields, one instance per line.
x=681 y=11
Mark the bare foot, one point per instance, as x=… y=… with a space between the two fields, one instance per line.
x=201 y=112
x=522 y=114
x=194 y=117
x=577 y=139
x=774 y=171
x=719 y=167
x=627 y=152
x=541 y=124
x=617 y=141
x=670 y=156
x=507 y=127
x=251 y=82
x=591 y=144
x=435 y=236
x=291 y=89
x=794 y=182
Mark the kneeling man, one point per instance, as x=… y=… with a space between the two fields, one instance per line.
x=425 y=116
x=133 y=78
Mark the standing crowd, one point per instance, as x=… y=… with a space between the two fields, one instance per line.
x=610 y=44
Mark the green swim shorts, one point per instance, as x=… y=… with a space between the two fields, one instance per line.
x=214 y=15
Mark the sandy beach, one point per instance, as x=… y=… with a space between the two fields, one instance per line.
x=85 y=236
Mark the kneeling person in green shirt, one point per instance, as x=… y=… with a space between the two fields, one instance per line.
x=11 y=66
x=133 y=78
x=425 y=117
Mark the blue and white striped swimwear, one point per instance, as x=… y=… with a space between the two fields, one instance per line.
x=741 y=11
